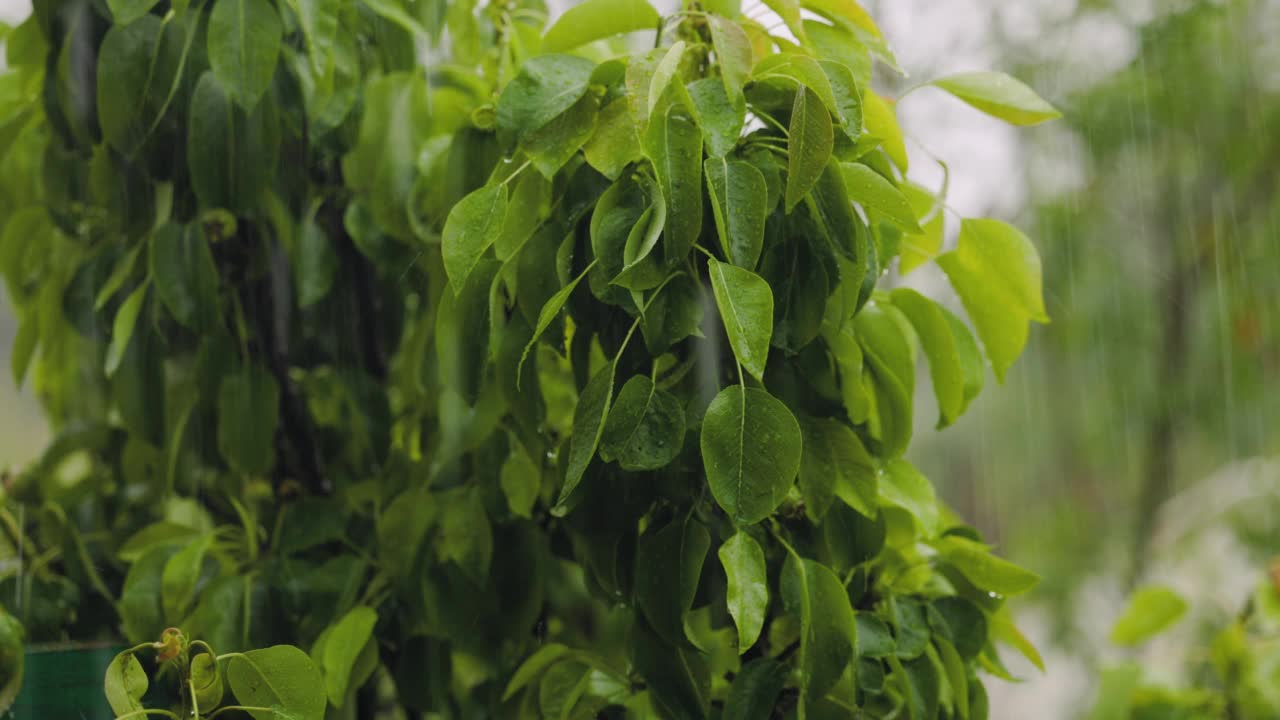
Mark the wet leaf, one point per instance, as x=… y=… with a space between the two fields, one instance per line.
x=751 y=446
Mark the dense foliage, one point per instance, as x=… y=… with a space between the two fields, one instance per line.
x=546 y=380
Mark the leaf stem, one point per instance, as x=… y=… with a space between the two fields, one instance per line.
x=150 y=711
x=226 y=708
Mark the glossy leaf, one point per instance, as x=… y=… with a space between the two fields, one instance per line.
x=902 y=485
x=738 y=195
x=751 y=447
x=999 y=95
x=746 y=307
x=616 y=141
x=281 y=676
x=996 y=272
x=809 y=145
x=817 y=599
x=733 y=50
x=472 y=226
x=546 y=86
x=835 y=464
x=881 y=124
x=588 y=425
x=870 y=190
x=244 y=45
x=673 y=143
x=597 y=19
x=646 y=426
x=940 y=346
x=748 y=591
x=755 y=690
x=984 y=570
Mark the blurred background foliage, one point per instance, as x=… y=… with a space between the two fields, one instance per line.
x=1129 y=444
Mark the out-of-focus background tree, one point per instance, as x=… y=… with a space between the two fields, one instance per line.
x=1130 y=444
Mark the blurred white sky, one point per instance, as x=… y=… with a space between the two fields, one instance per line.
x=12 y=11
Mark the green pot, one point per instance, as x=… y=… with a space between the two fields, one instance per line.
x=64 y=681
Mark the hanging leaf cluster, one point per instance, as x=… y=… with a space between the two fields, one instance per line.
x=548 y=379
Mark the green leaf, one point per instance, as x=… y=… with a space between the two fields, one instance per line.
x=206 y=680
x=996 y=272
x=402 y=526
x=665 y=73
x=546 y=86
x=185 y=277
x=872 y=191
x=831 y=208
x=889 y=355
x=754 y=693
x=809 y=143
x=521 y=480
x=721 y=121
x=462 y=343
x=789 y=11
x=751 y=447
x=280 y=676
x=733 y=52
x=561 y=687
x=748 y=590
x=881 y=124
x=674 y=143
x=153 y=535
x=248 y=406
x=874 y=638
x=347 y=639
x=802 y=70
x=315 y=262
x=938 y=340
x=597 y=19
x=126 y=11
x=550 y=309
x=122 y=328
x=847 y=97
x=554 y=144
x=180 y=577
x=472 y=226
x=465 y=533
x=668 y=566
x=244 y=45
x=834 y=463
x=918 y=248
x=645 y=429
x=588 y=425
x=125 y=684
x=139 y=66
x=533 y=666
x=636 y=273
x=986 y=571
x=999 y=95
x=746 y=307
x=738 y=196
x=1151 y=611
x=231 y=154
x=815 y=596
x=616 y=141
x=382 y=166
x=903 y=486
x=678 y=677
